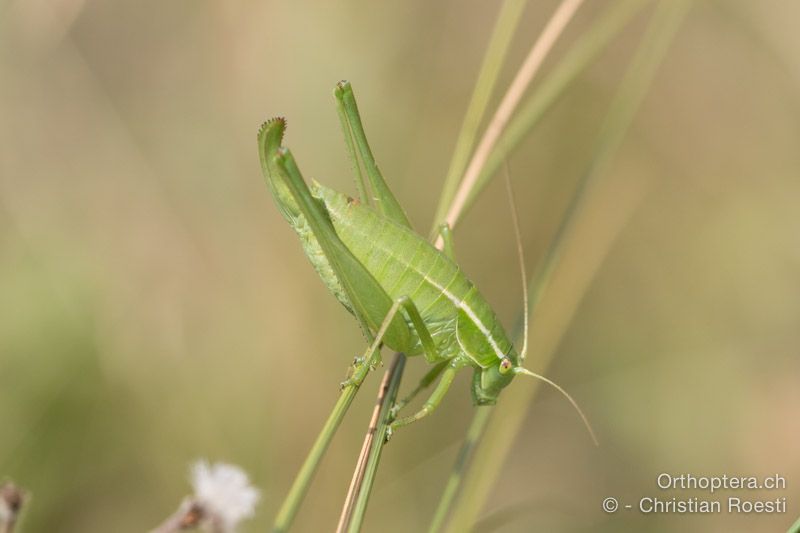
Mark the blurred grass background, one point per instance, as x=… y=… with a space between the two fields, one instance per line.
x=155 y=308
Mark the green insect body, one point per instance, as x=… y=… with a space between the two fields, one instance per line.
x=463 y=326
x=404 y=292
x=461 y=323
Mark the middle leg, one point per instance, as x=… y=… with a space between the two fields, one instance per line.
x=433 y=401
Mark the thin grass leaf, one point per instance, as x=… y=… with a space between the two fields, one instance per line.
x=499 y=436
x=364 y=478
x=580 y=56
x=493 y=60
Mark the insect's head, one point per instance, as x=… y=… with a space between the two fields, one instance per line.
x=488 y=382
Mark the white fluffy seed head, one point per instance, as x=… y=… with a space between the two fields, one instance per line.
x=11 y=500
x=224 y=492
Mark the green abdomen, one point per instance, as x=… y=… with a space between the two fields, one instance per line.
x=405 y=264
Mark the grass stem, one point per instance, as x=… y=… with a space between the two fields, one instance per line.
x=493 y=59
x=553 y=86
x=493 y=450
x=291 y=504
x=364 y=475
x=538 y=52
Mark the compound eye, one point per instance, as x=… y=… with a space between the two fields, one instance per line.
x=505 y=366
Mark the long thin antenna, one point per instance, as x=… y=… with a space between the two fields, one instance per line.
x=524 y=352
x=521 y=257
x=525 y=371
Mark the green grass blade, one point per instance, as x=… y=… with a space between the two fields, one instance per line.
x=476 y=430
x=363 y=481
x=580 y=55
x=576 y=60
x=499 y=436
x=504 y=29
x=291 y=504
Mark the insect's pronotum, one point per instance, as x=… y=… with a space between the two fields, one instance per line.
x=405 y=293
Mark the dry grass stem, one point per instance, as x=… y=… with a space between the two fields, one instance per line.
x=554 y=28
